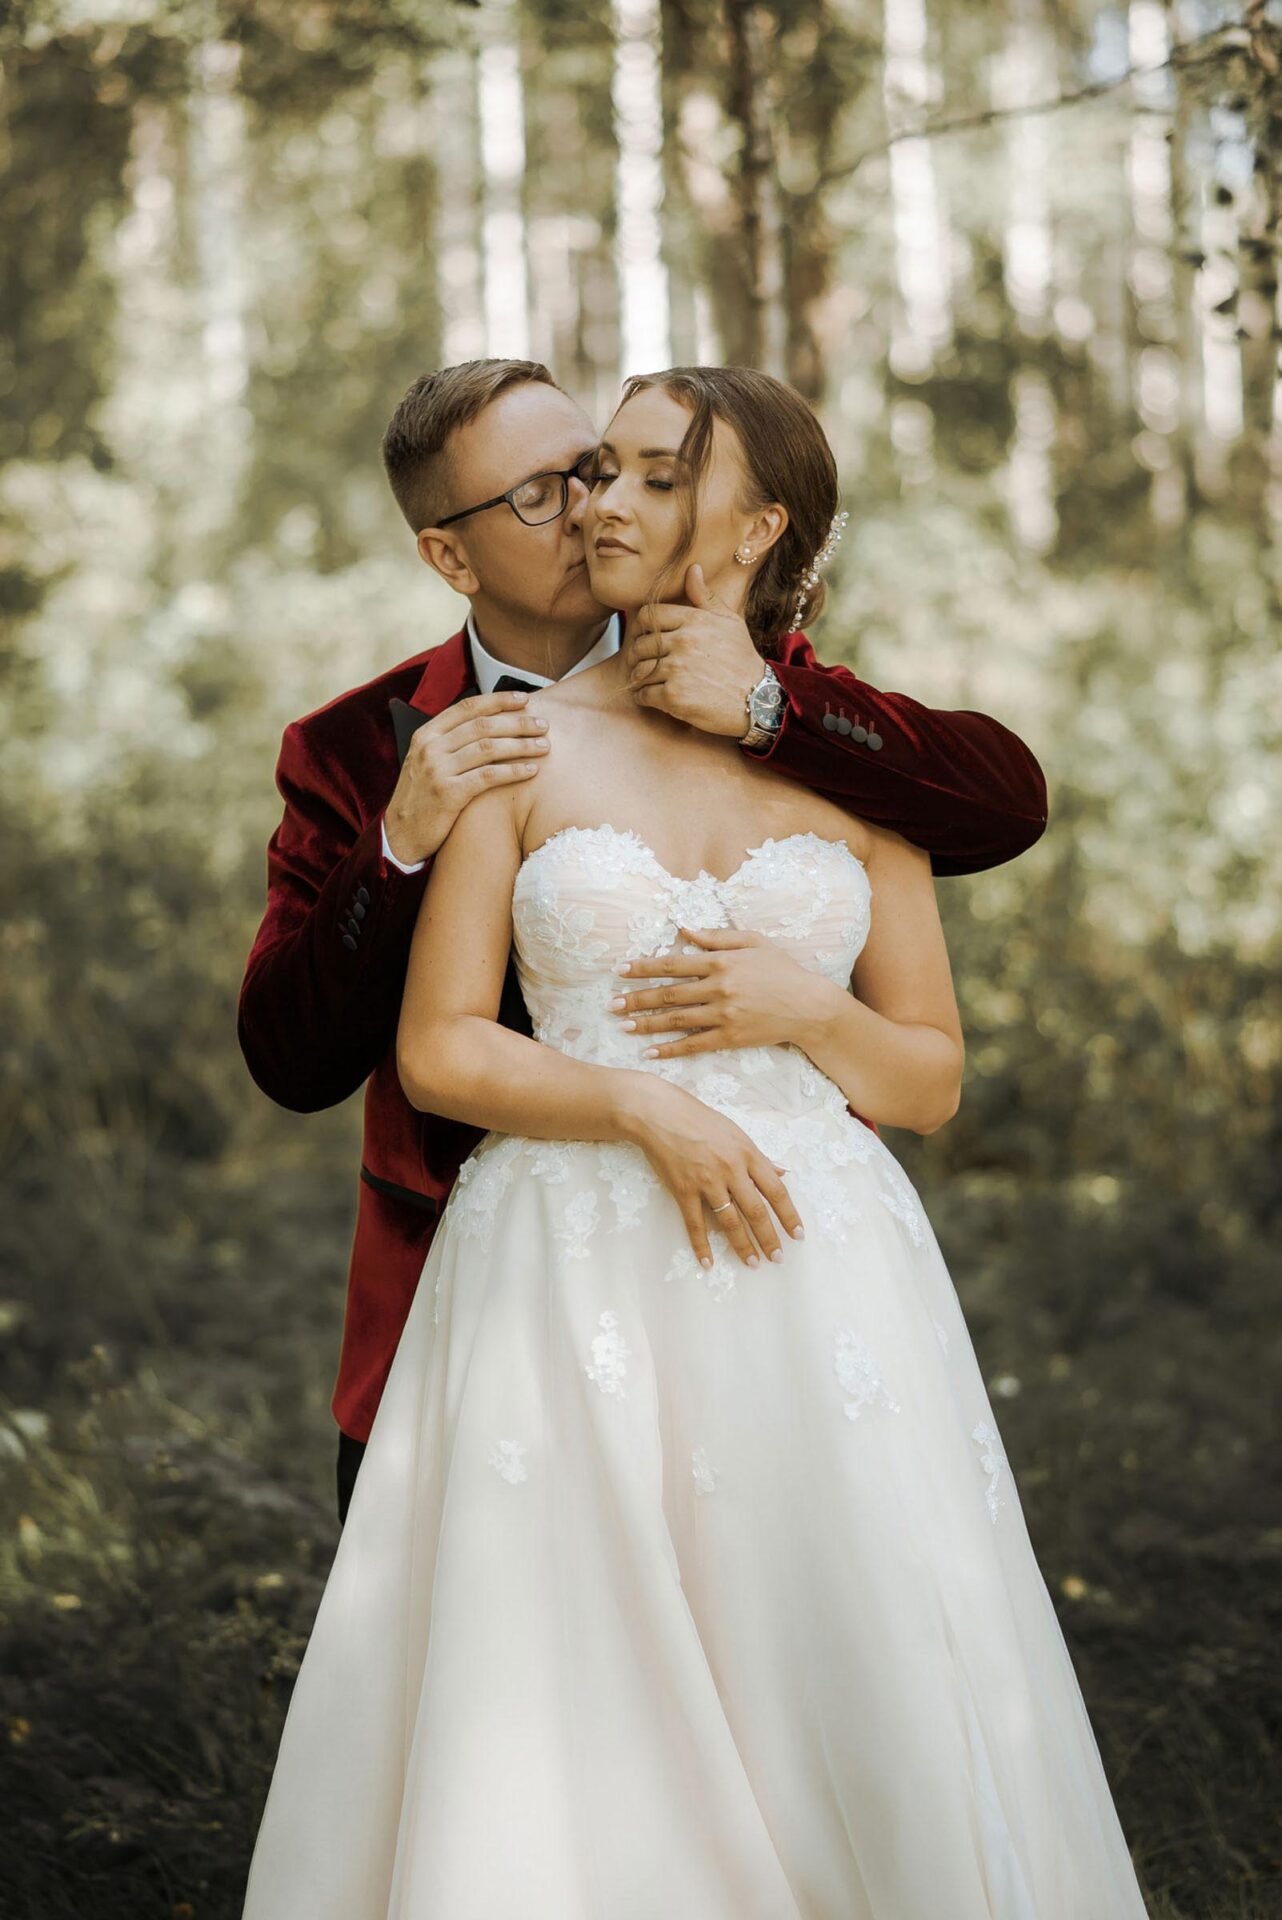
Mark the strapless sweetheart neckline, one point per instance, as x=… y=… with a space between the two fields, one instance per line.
x=703 y=875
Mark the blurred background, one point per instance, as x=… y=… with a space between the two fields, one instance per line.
x=1024 y=261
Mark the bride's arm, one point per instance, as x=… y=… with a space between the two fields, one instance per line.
x=896 y=1050
x=452 y=1055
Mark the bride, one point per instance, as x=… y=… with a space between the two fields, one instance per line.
x=685 y=1576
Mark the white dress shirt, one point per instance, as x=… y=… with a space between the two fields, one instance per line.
x=487 y=671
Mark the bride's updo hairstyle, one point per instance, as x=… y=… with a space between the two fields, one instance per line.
x=786 y=458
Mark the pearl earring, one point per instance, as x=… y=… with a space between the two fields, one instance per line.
x=743 y=556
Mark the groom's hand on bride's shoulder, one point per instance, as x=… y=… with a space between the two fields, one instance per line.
x=481 y=742
x=696 y=662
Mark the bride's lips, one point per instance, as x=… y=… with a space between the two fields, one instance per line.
x=605 y=548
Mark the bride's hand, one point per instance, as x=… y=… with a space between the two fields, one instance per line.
x=743 y=990
x=704 y=1160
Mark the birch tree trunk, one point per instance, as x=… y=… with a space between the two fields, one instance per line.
x=501 y=99
x=635 y=92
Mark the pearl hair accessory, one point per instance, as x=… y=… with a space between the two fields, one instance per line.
x=810 y=578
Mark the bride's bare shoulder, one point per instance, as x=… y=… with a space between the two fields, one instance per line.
x=889 y=851
x=592 y=691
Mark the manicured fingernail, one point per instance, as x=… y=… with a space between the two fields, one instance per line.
x=753 y=1260
x=622 y=966
x=619 y=1000
x=777 y=1255
x=799 y=1233
x=630 y=1024
x=647 y=1053
x=705 y=1261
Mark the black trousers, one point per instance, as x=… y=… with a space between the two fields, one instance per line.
x=350 y=1454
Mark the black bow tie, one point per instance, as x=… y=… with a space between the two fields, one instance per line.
x=512 y=683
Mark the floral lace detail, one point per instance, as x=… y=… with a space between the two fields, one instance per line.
x=802 y=869
x=780 y=864
x=631 y=1179
x=720 y=1089
x=899 y=1198
x=859 y=1374
x=610 y=1354
x=719 y=1277
x=705 y=1474
x=507 y=1457
x=992 y=1459
x=813 y=1153
x=481 y=1182
x=579 y=1223
x=485 y=1176
x=568 y=924
x=551 y=1160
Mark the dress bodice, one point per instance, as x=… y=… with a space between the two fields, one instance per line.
x=588 y=897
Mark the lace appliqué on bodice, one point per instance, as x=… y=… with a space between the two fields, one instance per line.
x=591 y=896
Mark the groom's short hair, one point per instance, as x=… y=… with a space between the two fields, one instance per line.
x=416 y=443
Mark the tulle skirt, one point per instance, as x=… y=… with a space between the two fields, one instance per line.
x=668 y=1594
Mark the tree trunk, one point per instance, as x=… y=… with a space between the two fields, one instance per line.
x=756 y=187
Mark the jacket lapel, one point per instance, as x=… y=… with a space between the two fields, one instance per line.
x=447 y=677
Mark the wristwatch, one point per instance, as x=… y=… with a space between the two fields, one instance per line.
x=765 y=706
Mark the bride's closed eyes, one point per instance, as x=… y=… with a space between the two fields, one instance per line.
x=607 y=468
x=602 y=476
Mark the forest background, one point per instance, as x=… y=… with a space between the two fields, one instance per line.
x=1024 y=261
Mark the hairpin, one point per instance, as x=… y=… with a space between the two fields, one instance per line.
x=810 y=578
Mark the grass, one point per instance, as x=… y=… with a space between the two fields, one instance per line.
x=169 y=1520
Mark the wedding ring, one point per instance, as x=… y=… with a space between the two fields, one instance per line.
x=723 y=1206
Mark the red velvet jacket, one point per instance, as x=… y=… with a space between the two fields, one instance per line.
x=322 y=990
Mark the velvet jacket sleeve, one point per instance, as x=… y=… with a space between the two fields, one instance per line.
x=321 y=994
x=958 y=784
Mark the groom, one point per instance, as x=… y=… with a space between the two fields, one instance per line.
x=484 y=460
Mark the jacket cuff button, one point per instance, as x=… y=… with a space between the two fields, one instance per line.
x=874 y=741
x=348 y=941
x=362 y=894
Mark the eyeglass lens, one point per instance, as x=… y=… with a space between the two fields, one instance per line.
x=542 y=498
x=546 y=495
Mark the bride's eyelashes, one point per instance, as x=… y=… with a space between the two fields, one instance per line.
x=658 y=486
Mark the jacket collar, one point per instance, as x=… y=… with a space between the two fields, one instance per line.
x=447 y=676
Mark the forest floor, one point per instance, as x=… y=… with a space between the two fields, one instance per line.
x=170 y=1518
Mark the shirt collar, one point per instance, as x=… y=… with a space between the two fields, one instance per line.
x=487 y=669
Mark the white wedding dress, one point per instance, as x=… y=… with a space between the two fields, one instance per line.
x=673 y=1594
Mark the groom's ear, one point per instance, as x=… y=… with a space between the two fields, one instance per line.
x=446 y=554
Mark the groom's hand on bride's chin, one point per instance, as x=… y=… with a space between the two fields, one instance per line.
x=696 y=662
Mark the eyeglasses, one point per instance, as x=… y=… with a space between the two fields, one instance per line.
x=543 y=497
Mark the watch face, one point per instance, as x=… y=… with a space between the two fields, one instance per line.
x=766 y=703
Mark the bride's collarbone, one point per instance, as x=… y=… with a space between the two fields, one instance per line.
x=696 y=809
